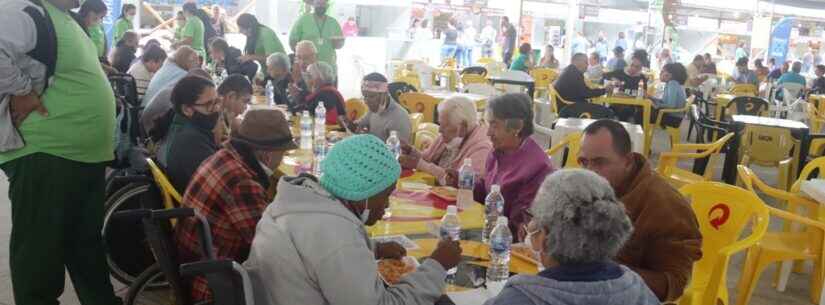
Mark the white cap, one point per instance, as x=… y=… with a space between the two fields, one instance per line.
x=452 y=209
x=502 y=220
x=495 y=188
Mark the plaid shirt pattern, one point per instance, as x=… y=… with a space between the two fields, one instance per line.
x=223 y=191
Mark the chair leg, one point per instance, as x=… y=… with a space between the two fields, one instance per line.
x=784 y=274
x=674 y=136
x=751 y=271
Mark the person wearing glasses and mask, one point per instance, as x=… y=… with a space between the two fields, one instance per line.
x=578 y=227
x=190 y=138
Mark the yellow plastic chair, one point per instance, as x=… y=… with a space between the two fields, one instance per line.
x=744 y=89
x=484 y=61
x=544 y=77
x=771 y=147
x=171 y=197
x=430 y=127
x=557 y=103
x=815 y=118
x=817 y=164
x=470 y=78
x=423 y=139
x=673 y=132
x=417 y=102
x=573 y=144
x=723 y=212
x=668 y=165
x=415 y=120
x=356 y=109
x=787 y=245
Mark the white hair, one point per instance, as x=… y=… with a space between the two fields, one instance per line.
x=584 y=221
x=278 y=60
x=322 y=71
x=459 y=109
x=306 y=44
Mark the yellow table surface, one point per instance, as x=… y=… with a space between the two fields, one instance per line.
x=477 y=250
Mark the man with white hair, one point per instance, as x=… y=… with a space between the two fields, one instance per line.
x=277 y=68
x=174 y=69
x=305 y=55
x=320 y=81
x=461 y=137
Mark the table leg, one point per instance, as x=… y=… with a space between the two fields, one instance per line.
x=531 y=90
x=732 y=156
x=804 y=147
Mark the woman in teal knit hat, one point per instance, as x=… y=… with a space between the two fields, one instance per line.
x=312 y=247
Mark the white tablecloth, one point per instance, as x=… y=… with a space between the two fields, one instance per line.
x=566 y=126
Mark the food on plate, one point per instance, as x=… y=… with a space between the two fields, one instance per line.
x=392 y=270
x=445 y=192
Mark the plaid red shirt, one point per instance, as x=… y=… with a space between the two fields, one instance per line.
x=224 y=191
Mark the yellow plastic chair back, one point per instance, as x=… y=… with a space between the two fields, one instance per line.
x=424 y=139
x=544 y=77
x=430 y=127
x=573 y=144
x=470 y=78
x=818 y=165
x=770 y=146
x=678 y=177
x=411 y=78
x=171 y=197
x=674 y=133
x=723 y=212
x=744 y=89
x=356 y=109
x=557 y=103
x=815 y=118
x=417 y=102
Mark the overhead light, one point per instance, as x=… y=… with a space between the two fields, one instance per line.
x=737 y=15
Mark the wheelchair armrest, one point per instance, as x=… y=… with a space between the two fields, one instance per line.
x=133 y=179
x=132 y=214
x=203 y=268
x=168 y=214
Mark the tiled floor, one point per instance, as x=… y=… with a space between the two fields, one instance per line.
x=797 y=291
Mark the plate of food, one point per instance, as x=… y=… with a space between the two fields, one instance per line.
x=445 y=192
x=392 y=270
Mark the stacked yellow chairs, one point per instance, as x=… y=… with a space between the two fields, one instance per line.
x=790 y=244
x=674 y=132
x=417 y=102
x=543 y=78
x=171 y=197
x=424 y=139
x=723 y=212
x=557 y=103
x=573 y=144
x=429 y=127
x=744 y=89
x=771 y=147
x=471 y=78
x=668 y=161
x=356 y=109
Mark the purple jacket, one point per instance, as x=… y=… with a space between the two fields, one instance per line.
x=519 y=175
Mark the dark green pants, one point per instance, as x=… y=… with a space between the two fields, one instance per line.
x=57 y=214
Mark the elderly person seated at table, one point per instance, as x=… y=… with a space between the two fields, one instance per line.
x=236 y=96
x=818 y=85
x=571 y=85
x=306 y=54
x=666 y=240
x=312 y=246
x=277 y=68
x=594 y=68
x=793 y=76
x=631 y=75
x=517 y=164
x=175 y=68
x=674 y=76
x=577 y=229
x=230 y=190
x=462 y=137
x=743 y=75
x=384 y=115
x=228 y=57
x=320 y=80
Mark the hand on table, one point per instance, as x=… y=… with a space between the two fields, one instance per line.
x=408 y=161
x=23 y=105
x=450 y=178
x=391 y=250
x=447 y=253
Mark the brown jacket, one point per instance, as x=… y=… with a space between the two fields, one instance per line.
x=666 y=238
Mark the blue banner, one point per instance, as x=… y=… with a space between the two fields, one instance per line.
x=109 y=21
x=781 y=40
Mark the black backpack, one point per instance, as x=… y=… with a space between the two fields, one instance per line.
x=45 y=50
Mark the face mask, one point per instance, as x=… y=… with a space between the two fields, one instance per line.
x=320 y=10
x=528 y=241
x=365 y=215
x=266 y=168
x=205 y=121
x=455 y=143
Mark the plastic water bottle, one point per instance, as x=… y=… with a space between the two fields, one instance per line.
x=493 y=207
x=500 y=241
x=270 y=93
x=394 y=144
x=640 y=91
x=306 y=131
x=466 y=182
x=450 y=228
x=320 y=137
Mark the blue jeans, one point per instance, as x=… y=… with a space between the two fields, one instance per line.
x=448 y=51
x=468 y=57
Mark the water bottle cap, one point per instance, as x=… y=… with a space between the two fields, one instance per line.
x=495 y=188
x=452 y=209
x=306 y=112
x=468 y=161
x=502 y=220
x=393 y=133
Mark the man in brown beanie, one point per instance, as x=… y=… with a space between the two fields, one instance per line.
x=230 y=190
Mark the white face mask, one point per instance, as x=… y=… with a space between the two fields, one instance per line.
x=455 y=143
x=266 y=168
x=365 y=215
x=528 y=241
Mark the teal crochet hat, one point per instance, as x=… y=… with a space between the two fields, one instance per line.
x=359 y=167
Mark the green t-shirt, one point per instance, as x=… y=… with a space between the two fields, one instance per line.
x=267 y=42
x=121 y=27
x=520 y=64
x=194 y=28
x=81 y=121
x=319 y=32
x=99 y=39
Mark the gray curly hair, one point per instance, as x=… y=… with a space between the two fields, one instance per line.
x=584 y=221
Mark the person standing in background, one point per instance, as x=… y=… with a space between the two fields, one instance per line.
x=124 y=22
x=350 y=27
x=549 y=60
x=261 y=41
x=218 y=21
x=192 y=34
x=740 y=51
x=322 y=30
x=180 y=22
x=601 y=48
x=488 y=37
x=620 y=42
x=470 y=37
x=449 y=49
x=89 y=17
x=508 y=34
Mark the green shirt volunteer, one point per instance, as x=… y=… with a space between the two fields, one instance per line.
x=81 y=121
x=267 y=42
x=308 y=27
x=121 y=26
x=99 y=39
x=194 y=29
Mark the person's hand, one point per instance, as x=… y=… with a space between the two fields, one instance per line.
x=451 y=178
x=408 y=161
x=23 y=105
x=390 y=250
x=447 y=253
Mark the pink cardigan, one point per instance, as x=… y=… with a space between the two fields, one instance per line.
x=476 y=147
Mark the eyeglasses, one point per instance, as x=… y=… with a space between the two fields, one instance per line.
x=210 y=106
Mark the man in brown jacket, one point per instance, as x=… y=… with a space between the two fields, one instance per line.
x=666 y=238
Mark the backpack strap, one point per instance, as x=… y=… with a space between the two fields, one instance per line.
x=45 y=50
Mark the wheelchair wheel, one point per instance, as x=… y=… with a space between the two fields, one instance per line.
x=127 y=252
x=150 y=288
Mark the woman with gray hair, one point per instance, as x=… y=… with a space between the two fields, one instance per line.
x=320 y=80
x=277 y=68
x=578 y=226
